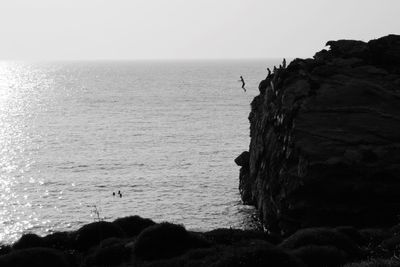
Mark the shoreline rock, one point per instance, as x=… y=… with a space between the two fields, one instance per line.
x=325 y=140
x=166 y=244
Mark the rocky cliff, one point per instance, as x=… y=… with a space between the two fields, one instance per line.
x=325 y=139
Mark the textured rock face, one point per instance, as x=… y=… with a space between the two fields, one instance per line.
x=325 y=139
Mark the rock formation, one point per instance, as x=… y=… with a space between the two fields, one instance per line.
x=325 y=139
x=146 y=243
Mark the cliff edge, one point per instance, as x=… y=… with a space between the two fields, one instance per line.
x=325 y=139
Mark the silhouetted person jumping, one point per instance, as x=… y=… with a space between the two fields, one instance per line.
x=243 y=83
x=269 y=72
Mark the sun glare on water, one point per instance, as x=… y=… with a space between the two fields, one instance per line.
x=17 y=113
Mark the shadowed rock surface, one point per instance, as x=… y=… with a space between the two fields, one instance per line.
x=325 y=139
x=317 y=256
x=166 y=240
x=133 y=225
x=322 y=237
x=29 y=241
x=166 y=244
x=91 y=234
x=35 y=257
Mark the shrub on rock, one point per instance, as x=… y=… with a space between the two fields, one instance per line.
x=133 y=225
x=91 y=234
x=165 y=240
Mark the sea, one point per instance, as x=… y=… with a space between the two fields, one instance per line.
x=163 y=133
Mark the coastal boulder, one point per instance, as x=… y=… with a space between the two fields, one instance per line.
x=322 y=237
x=325 y=144
x=29 y=240
x=231 y=236
x=166 y=240
x=35 y=257
x=258 y=256
x=92 y=234
x=60 y=240
x=133 y=225
x=317 y=256
x=110 y=252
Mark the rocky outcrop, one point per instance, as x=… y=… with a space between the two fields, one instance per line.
x=325 y=139
x=165 y=244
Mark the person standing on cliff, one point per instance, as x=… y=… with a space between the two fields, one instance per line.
x=243 y=83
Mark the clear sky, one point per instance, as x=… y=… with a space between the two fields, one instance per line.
x=186 y=29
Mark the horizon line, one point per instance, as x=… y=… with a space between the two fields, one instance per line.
x=149 y=59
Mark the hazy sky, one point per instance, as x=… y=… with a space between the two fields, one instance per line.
x=168 y=29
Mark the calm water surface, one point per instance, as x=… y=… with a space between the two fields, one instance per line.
x=163 y=133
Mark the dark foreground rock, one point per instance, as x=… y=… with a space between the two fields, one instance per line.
x=35 y=257
x=325 y=140
x=167 y=244
x=166 y=240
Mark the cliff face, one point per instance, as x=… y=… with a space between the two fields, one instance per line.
x=325 y=139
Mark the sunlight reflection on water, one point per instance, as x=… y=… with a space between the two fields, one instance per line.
x=165 y=134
